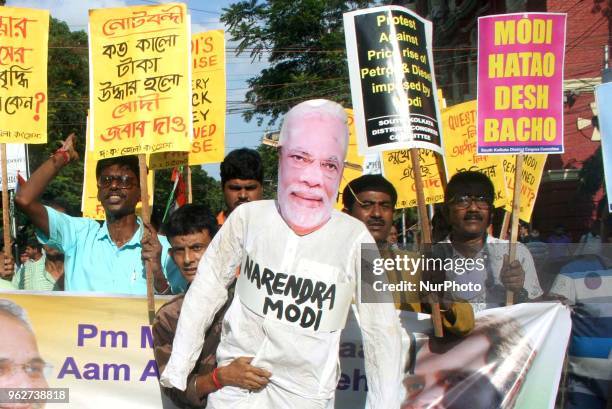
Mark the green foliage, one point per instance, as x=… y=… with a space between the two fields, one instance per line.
x=269 y=158
x=67 y=77
x=205 y=190
x=304 y=42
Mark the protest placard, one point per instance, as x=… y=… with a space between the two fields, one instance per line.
x=603 y=96
x=397 y=167
x=208 y=100
x=392 y=83
x=459 y=125
x=533 y=168
x=17 y=163
x=24 y=35
x=140 y=86
x=520 y=83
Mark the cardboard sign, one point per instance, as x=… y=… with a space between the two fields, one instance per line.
x=533 y=167
x=140 y=85
x=24 y=37
x=603 y=97
x=397 y=168
x=16 y=162
x=520 y=83
x=392 y=81
x=459 y=124
x=208 y=100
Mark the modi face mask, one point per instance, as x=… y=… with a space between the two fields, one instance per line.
x=313 y=144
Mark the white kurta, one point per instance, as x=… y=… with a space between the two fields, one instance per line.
x=304 y=363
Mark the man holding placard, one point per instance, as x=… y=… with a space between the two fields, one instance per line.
x=468 y=210
x=107 y=258
x=300 y=263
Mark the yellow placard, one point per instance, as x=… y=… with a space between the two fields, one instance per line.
x=140 y=89
x=533 y=167
x=459 y=127
x=24 y=37
x=352 y=156
x=90 y=205
x=397 y=169
x=208 y=100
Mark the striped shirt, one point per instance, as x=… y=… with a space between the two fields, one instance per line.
x=588 y=288
x=33 y=276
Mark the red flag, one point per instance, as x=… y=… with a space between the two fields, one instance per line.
x=180 y=191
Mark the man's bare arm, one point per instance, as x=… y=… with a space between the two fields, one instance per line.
x=27 y=196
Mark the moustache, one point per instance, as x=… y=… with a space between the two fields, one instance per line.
x=375 y=222
x=473 y=216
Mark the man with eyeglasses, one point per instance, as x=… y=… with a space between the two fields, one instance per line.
x=21 y=365
x=468 y=209
x=109 y=257
x=300 y=264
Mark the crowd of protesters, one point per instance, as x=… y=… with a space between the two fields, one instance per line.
x=79 y=254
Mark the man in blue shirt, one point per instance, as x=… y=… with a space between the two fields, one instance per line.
x=110 y=257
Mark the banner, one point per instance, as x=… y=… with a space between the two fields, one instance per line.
x=208 y=101
x=100 y=348
x=603 y=97
x=16 y=162
x=459 y=125
x=90 y=205
x=512 y=359
x=140 y=85
x=520 y=83
x=397 y=167
x=24 y=35
x=533 y=167
x=392 y=82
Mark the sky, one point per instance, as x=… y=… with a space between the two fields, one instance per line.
x=204 y=16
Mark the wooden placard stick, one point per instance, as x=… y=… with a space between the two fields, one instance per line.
x=188 y=183
x=505 y=224
x=146 y=217
x=425 y=234
x=6 y=221
x=516 y=207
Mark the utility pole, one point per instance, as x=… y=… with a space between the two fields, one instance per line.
x=606 y=75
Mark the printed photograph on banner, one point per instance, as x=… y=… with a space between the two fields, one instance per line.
x=603 y=96
x=533 y=168
x=23 y=75
x=99 y=348
x=140 y=90
x=520 y=83
x=393 y=87
x=16 y=163
x=208 y=100
x=397 y=168
x=459 y=126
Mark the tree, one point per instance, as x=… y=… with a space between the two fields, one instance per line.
x=305 y=42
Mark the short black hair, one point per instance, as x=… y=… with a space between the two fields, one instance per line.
x=130 y=162
x=376 y=183
x=469 y=183
x=34 y=243
x=190 y=219
x=243 y=164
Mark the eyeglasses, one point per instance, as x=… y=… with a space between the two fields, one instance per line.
x=465 y=201
x=123 y=181
x=36 y=369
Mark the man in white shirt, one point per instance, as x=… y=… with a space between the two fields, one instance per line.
x=468 y=207
x=300 y=265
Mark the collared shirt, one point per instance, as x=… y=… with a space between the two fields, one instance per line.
x=93 y=262
x=33 y=276
x=6 y=285
x=489 y=277
x=304 y=362
x=587 y=285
